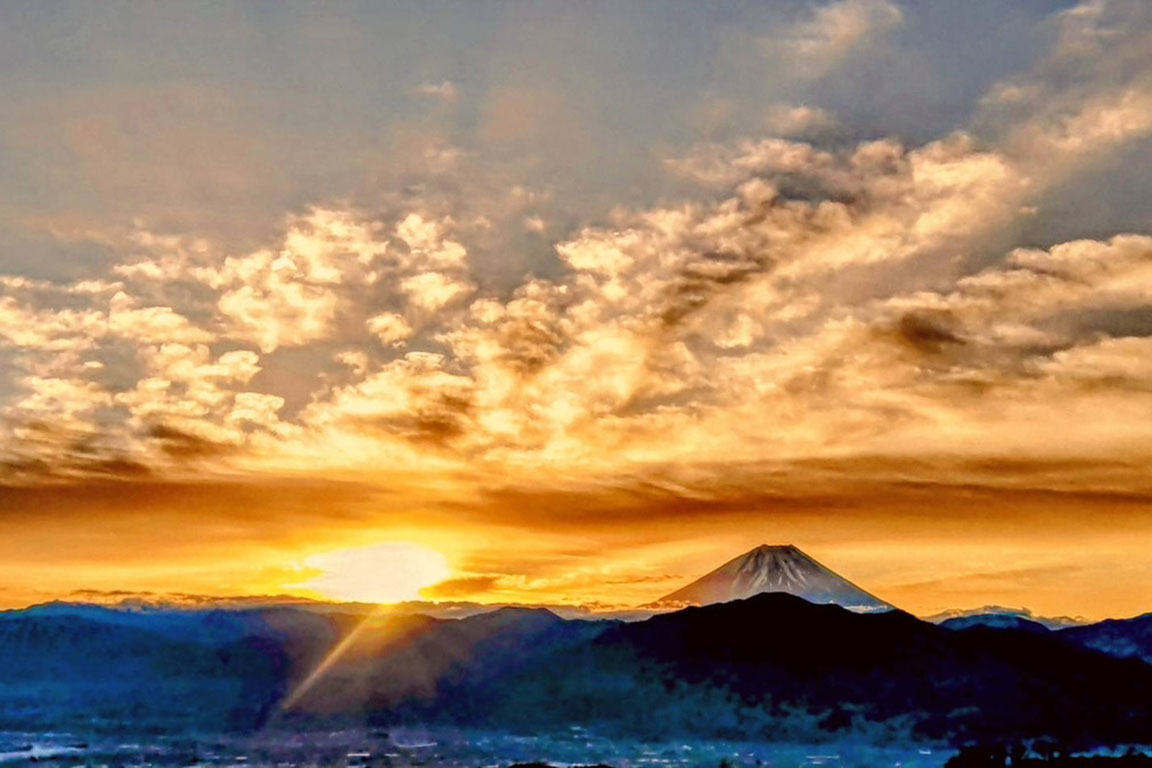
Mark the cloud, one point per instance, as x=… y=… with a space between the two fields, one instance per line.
x=61 y=401
x=152 y=325
x=51 y=431
x=430 y=291
x=390 y=328
x=1116 y=363
x=460 y=587
x=444 y=90
x=791 y=121
x=411 y=398
x=1089 y=93
x=291 y=297
x=835 y=31
x=805 y=318
x=799 y=312
x=297 y=294
x=189 y=406
x=49 y=330
x=428 y=243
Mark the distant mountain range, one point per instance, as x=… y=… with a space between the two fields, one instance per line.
x=990 y=614
x=1122 y=638
x=770 y=666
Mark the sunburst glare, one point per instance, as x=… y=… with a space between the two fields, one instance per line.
x=389 y=572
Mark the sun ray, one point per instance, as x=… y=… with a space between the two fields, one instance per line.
x=329 y=661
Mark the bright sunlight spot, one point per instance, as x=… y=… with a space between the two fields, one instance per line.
x=382 y=573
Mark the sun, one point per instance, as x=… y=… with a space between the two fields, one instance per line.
x=390 y=572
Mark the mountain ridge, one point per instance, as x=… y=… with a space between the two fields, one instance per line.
x=776 y=666
x=772 y=665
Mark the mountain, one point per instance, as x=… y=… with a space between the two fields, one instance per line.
x=774 y=666
x=1122 y=638
x=73 y=666
x=173 y=605
x=998 y=615
x=1117 y=637
x=994 y=621
x=68 y=666
x=421 y=669
x=774 y=569
x=63 y=672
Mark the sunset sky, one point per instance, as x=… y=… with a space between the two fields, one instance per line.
x=570 y=302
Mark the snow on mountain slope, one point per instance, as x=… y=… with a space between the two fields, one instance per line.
x=774 y=569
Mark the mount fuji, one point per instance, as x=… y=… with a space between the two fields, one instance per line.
x=782 y=568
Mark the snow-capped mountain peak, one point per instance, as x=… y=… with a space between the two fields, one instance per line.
x=779 y=568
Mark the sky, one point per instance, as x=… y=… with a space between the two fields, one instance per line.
x=570 y=303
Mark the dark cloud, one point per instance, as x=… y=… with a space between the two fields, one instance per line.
x=264 y=508
x=183 y=445
x=460 y=587
x=927 y=333
x=438 y=420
